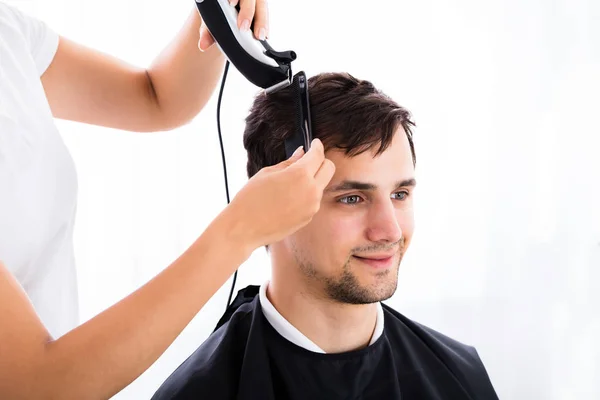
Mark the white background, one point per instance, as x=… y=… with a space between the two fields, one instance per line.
x=506 y=255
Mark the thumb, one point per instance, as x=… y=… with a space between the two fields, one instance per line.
x=206 y=39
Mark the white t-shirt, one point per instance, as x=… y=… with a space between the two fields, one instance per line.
x=291 y=333
x=38 y=183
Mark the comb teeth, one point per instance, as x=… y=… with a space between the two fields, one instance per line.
x=298 y=115
x=296 y=139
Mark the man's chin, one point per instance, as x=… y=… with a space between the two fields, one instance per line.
x=386 y=296
x=361 y=294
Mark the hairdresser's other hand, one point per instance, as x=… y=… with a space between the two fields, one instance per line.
x=283 y=198
x=249 y=10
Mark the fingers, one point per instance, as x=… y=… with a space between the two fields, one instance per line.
x=313 y=158
x=261 y=20
x=206 y=39
x=325 y=173
x=247 y=8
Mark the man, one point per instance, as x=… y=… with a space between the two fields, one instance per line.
x=318 y=329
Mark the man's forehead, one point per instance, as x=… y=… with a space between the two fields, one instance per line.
x=367 y=163
x=398 y=146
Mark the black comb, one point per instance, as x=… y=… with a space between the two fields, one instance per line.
x=302 y=135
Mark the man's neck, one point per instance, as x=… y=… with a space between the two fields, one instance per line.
x=334 y=327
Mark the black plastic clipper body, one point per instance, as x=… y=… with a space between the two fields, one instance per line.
x=260 y=64
x=265 y=68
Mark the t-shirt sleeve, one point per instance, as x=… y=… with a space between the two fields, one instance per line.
x=41 y=39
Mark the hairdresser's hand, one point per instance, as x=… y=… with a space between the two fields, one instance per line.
x=283 y=198
x=249 y=10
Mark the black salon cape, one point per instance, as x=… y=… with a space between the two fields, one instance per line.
x=246 y=359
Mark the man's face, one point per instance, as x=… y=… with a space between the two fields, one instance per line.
x=351 y=250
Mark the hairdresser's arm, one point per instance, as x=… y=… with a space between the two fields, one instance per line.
x=102 y=356
x=88 y=86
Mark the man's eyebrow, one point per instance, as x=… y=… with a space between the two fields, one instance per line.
x=365 y=186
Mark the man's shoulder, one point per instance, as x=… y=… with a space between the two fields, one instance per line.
x=427 y=334
x=460 y=358
x=213 y=368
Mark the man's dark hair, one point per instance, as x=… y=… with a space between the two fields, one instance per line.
x=347 y=113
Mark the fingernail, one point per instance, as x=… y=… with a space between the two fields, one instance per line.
x=298 y=151
x=262 y=34
x=245 y=25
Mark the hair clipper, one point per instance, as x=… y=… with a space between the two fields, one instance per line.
x=260 y=64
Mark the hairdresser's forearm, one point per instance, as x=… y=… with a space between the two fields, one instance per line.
x=183 y=78
x=104 y=355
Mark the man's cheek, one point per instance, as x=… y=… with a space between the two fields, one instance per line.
x=407 y=225
x=345 y=231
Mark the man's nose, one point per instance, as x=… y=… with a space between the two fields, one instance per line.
x=383 y=224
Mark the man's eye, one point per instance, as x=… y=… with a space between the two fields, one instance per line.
x=402 y=195
x=350 y=199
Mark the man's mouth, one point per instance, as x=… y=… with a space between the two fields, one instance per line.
x=377 y=260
